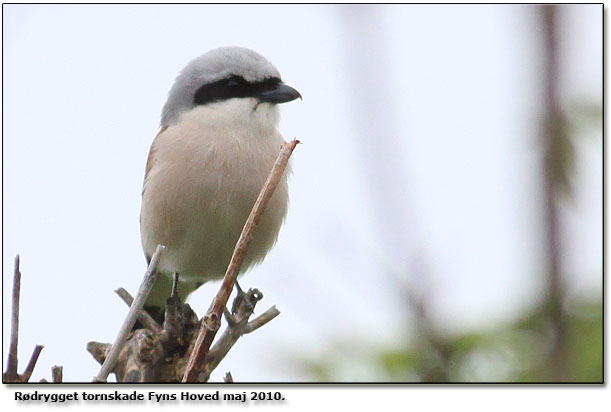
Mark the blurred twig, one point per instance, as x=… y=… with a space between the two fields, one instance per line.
x=384 y=172
x=555 y=175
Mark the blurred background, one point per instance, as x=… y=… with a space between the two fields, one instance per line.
x=446 y=202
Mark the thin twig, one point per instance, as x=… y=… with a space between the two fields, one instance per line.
x=11 y=374
x=263 y=319
x=212 y=319
x=230 y=337
x=144 y=318
x=11 y=368
x=243 y=307
x=57 y=372
x=27 y=373
x=132 y=315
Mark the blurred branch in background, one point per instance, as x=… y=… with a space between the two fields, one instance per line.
x=556 y=168
x=559 y=340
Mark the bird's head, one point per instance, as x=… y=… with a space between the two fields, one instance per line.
x=223 y=74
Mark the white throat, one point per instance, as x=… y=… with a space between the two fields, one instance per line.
x=231 y=114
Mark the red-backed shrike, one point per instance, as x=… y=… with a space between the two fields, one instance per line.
x=218 y=142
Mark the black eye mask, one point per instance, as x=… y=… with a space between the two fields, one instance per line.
x=232 y=87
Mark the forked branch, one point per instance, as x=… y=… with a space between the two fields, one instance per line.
x=11 y=375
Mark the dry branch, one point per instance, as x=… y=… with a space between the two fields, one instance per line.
x=237 y=326
x=11 y=368
x=11 y=375
x=57 y=373
x=212 y=319
x=156 y=353
x=150 y=356
x=144 y=318
x=132 y=316
x=228 y=378
x=164 y=353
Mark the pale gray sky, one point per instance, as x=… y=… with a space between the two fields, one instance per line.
x=83 y=91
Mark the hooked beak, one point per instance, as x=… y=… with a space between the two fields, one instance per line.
x=281 y=94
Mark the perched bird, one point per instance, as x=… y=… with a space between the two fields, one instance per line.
x=217 y=143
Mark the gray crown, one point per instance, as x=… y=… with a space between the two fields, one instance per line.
x=212 y=66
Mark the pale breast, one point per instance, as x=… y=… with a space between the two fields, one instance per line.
x=202 y=182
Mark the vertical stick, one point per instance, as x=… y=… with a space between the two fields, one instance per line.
x=11 y=375
x=552 y=159
x=11 y=367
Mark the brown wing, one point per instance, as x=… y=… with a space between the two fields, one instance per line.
x=151 y=157
x=149 y=164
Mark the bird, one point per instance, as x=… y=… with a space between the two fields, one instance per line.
x=217 y=142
